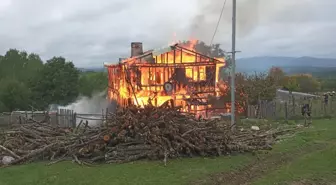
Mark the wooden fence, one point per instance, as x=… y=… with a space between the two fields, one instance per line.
x=63 y=118
x=66 y=118
x=272 y=110
x=289 y=110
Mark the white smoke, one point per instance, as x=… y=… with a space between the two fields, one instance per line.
x=90 y=109
x=89 y=105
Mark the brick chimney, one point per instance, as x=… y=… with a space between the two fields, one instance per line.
x=136 y=49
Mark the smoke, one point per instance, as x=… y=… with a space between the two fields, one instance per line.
x=250 y=15
x=93 y=105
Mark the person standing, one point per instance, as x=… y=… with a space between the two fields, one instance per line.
x=306 y=111
x=326 y=98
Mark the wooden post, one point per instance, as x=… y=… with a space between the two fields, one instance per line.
x=65 y=118
x=106 y=115
x=57 y=120
x=75 y=117
x=259 y=108
x=274 y=110
x=73 y=120
x=103 y=116
x=311 y=111
x=62 y=118
x=26 y=119
x=11 y=118
x=294 y=105
x=69 y=118
x=311 y=108
x=286 y=111
x=264 y=109
x=331 y=105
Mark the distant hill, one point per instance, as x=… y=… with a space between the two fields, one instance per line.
x=260 y=63
x=290 y=65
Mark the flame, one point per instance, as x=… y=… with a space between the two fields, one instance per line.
x=151 y=93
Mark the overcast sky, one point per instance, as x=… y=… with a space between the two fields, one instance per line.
x=92 y=32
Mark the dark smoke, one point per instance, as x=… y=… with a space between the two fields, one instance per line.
x=250 y=14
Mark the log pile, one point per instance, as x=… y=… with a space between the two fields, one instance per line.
x=130 y=134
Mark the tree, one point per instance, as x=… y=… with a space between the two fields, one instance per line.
x=56 y=83
x=17 y=68
x=328 y=84
x=291 y=84
x=278 y=75
x=92 y=82
x=213 y=51
x=3 y=108
x=14 y=95
x=260 y=86
x=307 y=83
x=19 y=65
x=302 y=82
x=250 y=89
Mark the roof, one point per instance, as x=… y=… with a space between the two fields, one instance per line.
x=296 y=93
x=156 y=52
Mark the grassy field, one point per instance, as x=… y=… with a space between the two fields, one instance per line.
x=307 y=157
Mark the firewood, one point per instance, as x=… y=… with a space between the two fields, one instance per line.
x=129 y=134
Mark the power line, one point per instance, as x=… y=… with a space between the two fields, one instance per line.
x=219 y=19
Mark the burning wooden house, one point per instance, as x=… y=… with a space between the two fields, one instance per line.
x=176 y=75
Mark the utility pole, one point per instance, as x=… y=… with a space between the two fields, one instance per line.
x=233 y=60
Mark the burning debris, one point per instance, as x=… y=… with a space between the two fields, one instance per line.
x=131 y=134
x=177 y=74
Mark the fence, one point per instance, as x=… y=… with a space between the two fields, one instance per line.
x=291 y=109
x=273 y=110
x=63 y=118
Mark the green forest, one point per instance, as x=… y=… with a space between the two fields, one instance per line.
x=27 y=82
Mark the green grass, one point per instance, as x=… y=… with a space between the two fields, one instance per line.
x=176 y=172
x=318 y=164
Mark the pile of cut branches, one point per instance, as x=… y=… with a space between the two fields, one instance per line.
x=130 y=134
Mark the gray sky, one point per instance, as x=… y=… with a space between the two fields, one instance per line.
x=92 y=32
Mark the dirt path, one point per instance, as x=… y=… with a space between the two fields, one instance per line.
x=259 y=167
